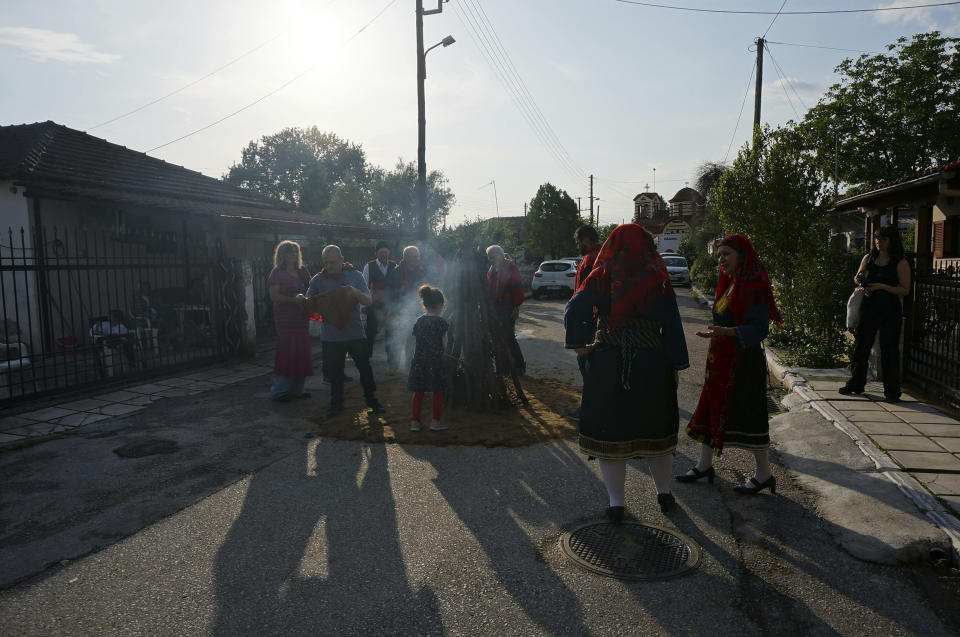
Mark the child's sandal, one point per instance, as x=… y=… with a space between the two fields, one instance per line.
x=415 y=425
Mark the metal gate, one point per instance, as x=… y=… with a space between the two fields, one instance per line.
x=931 y=351
x=93 y=309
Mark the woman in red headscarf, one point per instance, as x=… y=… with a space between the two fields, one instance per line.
x=633 y=356
x=732 y=411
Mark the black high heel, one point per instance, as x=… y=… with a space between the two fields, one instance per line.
x=615 y=514
x=757 y=486
x=710 y=474
x=667 y=502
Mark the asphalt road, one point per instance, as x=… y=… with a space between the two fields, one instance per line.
x=251 y=528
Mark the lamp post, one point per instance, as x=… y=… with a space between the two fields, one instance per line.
x=421 y=115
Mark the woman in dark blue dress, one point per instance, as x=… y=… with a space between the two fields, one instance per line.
x=633 y=353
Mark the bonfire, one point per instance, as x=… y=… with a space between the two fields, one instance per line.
x=481 y=365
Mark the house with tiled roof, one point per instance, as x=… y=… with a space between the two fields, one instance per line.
x=648 y=205
x=88 y=226
x=931 y=335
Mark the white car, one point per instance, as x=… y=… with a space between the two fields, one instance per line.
x=554 y=276
x=677 y=268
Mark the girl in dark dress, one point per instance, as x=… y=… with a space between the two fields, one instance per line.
x=886 y=275
x=633 y=354
x=427 y=370
x=293 y=360
x=732 y=411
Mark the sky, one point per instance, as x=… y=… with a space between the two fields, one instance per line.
x=624 y=92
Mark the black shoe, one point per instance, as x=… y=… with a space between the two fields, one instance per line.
x=710 y=474
x=574 y=415
x=846 y=390
x=334 y=410
x=375 y=406
x=667 y=502
x=305 y=394
x=892 y=399
x=756 y=487
x=615 y=514
x=284 y=398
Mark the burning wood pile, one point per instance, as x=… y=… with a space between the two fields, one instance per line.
x=481 y=364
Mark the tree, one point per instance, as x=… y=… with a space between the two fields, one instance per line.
x=552 y=219
x=707 y=175
x=394 y=197
x=891 y=114
x=775 y=195
x=300 y=166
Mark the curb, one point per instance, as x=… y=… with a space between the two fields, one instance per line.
x=927 y=504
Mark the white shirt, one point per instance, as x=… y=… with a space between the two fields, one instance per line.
x=366 y=270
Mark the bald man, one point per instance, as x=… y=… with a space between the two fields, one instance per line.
x=338 y=342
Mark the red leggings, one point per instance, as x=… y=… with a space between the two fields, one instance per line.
x=437 y=404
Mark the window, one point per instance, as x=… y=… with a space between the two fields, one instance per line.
x=555 y=267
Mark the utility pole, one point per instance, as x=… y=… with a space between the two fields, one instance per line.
x=759 y=85
x=836 y=165
x=591 y=200
x=422 y=119
x=524 y=208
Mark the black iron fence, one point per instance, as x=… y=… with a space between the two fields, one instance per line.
x=931 y=349
x=262 y=305
x=90 y=309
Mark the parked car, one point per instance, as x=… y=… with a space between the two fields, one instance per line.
x=678 y=269
x=554 y=276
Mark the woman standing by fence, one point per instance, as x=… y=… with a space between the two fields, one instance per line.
x=886 y=276
x=293 y=360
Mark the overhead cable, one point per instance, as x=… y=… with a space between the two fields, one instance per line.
x=824 y=11
x=783 y=74
x=276 y=90
x=774 y=19
x=747 y=92
x=817 y=46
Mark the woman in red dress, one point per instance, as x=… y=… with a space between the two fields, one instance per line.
x=732 y=411
x=293 y=361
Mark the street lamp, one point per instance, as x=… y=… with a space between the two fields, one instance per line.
x=422 y=127
x=421 y=116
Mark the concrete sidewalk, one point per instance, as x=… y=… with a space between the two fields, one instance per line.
x=913 y=445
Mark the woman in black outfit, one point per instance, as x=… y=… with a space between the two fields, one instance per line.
x=886 y=276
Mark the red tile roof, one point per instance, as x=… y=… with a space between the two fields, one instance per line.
x=862 y=190
x=50 y=157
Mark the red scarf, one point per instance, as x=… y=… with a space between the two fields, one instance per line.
x=629 y=270
x=751 y=286
x=586 y=264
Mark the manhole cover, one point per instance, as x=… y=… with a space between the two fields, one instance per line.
x=144 y=448
x=630 y=550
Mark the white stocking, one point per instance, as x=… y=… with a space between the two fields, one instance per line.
x=763 y=464
x=614 y=474
x=706 y=458
x=660 y=468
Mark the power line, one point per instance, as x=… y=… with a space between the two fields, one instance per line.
x=276 y=90
x=774 y=19
x=185 y=86
x=817 y=46
x=783 y=85
x=753 y=69
x=640 y=181
x=516 y=82
x=490 y=55
x=524 y=85
x=698 y=10
x=783 y=74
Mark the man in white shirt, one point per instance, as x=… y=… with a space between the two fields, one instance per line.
x=375 y=273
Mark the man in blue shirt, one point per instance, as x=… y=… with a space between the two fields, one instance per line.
x=337 y=342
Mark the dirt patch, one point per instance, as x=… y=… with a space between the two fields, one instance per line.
x=543 y=418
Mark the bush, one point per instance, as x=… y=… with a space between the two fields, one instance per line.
x=703 y=273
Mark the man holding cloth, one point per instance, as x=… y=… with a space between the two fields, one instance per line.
x=507 y=289
x=338 y=341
